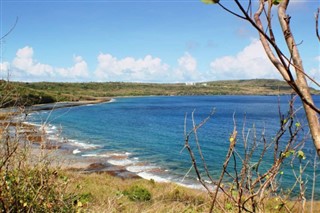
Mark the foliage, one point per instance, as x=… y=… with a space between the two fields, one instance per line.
x=46 y=92
x=210 y=1
x=138 y=193
x=28 y=181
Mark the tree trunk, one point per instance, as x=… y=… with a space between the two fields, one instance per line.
x=301 y=82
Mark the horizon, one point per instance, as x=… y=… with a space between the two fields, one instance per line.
x=139 y=41
x=137 y=82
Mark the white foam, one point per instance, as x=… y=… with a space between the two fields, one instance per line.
x=124 y=162
x=89 y=155
x=50 y=129
x=31 y=124
x=149 y=176
x=191 y=186
x=120 y=154
x=82 y=145
x=137 y=169
x=76 y=151
x=96 y=155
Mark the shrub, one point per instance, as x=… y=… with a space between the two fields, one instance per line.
x=29 y=183
x=138 y=193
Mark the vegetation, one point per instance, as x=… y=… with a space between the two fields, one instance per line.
x=48 y=92
x=28 y=183
x=32 y=182
x=256 y=168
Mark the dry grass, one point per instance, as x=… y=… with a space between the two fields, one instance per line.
x=105 y=194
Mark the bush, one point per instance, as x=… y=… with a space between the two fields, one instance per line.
x=29 y=183
x=138 y=193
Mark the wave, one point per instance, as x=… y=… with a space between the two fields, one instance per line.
x=151 y=176
x=124 y=162
x=82 y=145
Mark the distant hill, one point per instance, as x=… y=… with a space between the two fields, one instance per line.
x=47 y=92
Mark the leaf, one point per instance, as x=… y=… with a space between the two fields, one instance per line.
x=276 y=2
x=231 y=139
x=210 y=1
x=301 y=155
x=297 y=124
x=288 y=153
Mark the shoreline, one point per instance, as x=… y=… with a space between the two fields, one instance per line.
x=65 y=104
x=60 y=152
x=67 y=153
x=65 y=150
x=64 y=153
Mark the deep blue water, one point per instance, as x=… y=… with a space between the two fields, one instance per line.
x=149 y=131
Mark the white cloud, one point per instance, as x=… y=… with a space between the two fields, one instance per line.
x=4 y=69
x=187 y=69
x=24 y=64
x=250 y=63
x=130 y=69
x=78 y=71
x=4 y=66
x=25 y=68
x=314 y=73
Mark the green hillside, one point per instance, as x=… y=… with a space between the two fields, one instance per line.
x=47 y=92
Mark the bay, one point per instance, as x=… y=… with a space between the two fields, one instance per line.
x=148 y=132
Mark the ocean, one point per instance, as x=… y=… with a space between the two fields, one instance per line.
x=146 y=134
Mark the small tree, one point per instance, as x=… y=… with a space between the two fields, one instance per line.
x=287 y=65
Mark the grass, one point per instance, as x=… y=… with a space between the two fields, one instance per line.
x=113 y=195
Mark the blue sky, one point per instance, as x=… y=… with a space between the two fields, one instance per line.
x=141 y=41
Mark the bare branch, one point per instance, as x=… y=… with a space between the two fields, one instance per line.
x=229 y=11
x=12 y=28
x=233 y=139
x=317 y=24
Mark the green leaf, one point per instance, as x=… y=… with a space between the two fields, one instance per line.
x=276 y=2
x=301 y=155
x=297 y=124
x=210 y=1
x=288 y=153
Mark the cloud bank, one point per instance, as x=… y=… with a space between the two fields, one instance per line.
x=251 y=62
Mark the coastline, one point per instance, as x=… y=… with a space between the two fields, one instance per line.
x=70 y=154
x=63 y=153
x=60 y=152
x=57 y=105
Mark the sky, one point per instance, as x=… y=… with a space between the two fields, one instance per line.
x=162 y=41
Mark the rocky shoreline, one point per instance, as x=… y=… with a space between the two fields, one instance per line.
x=59 y=151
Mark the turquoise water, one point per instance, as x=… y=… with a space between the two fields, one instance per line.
x=148 y=132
